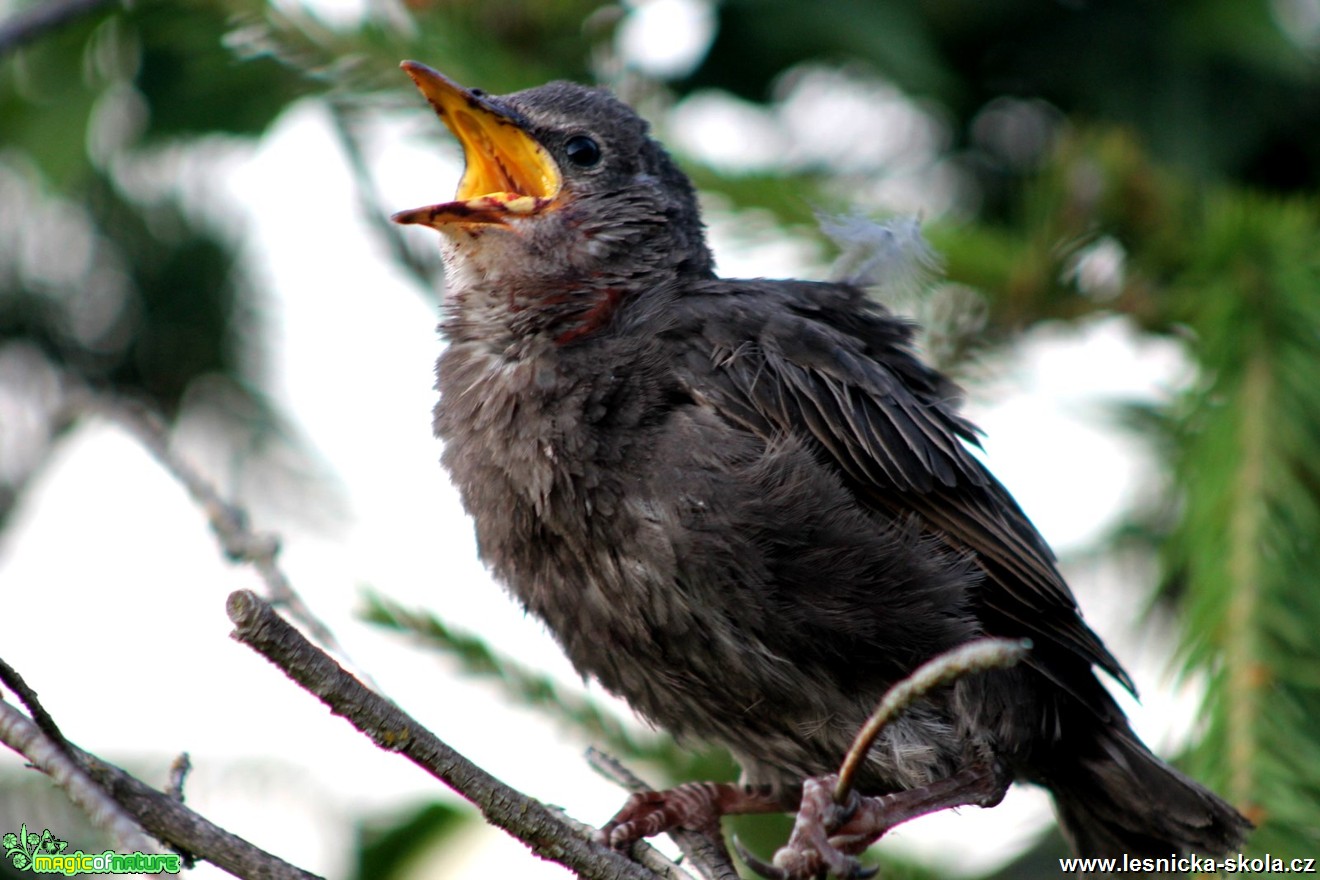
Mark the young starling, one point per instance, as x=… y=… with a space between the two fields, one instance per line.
x=747 y=508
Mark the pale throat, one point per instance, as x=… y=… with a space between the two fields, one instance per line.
x=507 y=285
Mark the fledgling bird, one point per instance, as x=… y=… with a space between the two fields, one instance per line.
x=747 y=507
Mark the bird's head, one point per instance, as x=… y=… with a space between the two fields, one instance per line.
x=561 y=183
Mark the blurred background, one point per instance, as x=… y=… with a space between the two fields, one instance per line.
x=193 y=204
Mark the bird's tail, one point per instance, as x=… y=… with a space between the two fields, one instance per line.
x=1118 y=799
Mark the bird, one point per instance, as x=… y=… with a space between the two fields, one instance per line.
x=749 y=508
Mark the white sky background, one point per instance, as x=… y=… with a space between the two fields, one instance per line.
x=112 y=568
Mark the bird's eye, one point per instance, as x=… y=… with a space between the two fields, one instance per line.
x=582 y=151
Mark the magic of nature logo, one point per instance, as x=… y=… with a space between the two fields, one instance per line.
x=45 y=853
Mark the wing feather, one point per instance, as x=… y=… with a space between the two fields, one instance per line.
x=826 y=364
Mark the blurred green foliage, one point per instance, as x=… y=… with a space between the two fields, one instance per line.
x=1185 y=134
x=1215 y=87
x=390 y=848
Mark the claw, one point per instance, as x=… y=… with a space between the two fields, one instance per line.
x=758 y=865
x=843 y=813
x=845 y=866
x=860 y=873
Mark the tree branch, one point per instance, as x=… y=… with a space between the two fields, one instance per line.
x=546 y=834
x=169 y=820
x=9 y=675
x=54 y=759
x=124 y=806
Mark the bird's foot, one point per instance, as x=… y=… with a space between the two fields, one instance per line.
x=696 y=806
x=816 y=845
x=827 y=837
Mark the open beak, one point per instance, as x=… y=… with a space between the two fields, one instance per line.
x=508 y=174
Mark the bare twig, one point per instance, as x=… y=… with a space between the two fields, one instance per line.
x=258 y=626
x=9 y=675
x=188 y=831
x=940 y=670
x=124 y=806
x=38 y=20
x=22 y=735
x=179 y=770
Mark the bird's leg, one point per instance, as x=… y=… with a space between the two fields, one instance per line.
x=828 y=836
x=696 y=806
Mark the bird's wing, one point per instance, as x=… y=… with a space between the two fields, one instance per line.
x=824 y=363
